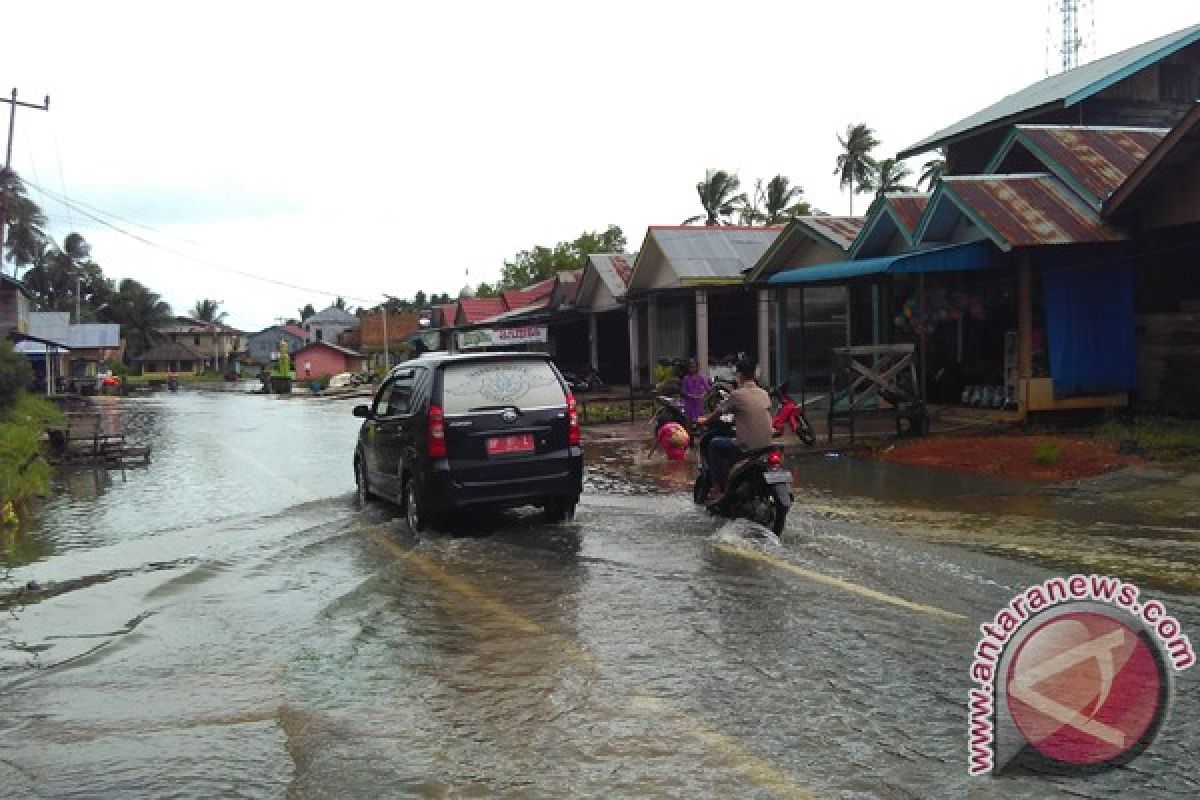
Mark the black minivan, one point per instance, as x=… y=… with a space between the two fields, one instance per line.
x=447 y=432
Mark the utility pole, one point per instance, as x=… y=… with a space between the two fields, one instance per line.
x=12 y=122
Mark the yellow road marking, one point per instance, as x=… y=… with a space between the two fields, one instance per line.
x=829 y=580
x=757 y=770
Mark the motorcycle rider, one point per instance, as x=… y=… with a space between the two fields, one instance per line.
x=751 y=408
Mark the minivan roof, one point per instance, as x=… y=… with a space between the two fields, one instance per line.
x=442 y=357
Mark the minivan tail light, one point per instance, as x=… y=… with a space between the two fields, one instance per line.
x=572 y=420
x=774 y=458
x=437 y=432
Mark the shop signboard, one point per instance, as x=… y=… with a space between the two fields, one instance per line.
x=502 y=337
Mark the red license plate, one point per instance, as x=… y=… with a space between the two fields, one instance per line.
x=520 y=443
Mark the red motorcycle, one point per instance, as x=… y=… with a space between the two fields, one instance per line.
x=791 y=415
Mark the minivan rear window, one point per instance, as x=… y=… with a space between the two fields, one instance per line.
x=483 y=385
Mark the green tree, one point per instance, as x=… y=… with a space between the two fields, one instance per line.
x=890 y=175
x=486 y=290
x=781 y=201
x=26 y=222
x=719 y=196
x=340 y=302
x=307 y=311
x=932 y=171
x=58 y=274
x=140 y=313
x=540 y=262
x=208 y=311
x=855 y=166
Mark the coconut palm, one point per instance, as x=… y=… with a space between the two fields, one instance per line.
x=890 y=175
x=932 y=171
x=855 y=166
x=782 y=201
x=719 y=196
x=58 y=274
x=25 y=222
x=140 y=313
x=208 y=311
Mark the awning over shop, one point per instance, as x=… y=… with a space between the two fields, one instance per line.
x=949 y=258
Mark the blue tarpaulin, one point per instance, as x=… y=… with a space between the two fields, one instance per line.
x=1089 y=327
x=949 y=258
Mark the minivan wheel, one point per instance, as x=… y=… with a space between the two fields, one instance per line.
x=561 y=509
x=416 y=511
x=362 y=490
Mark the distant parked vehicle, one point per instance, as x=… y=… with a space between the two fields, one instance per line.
x=448 y=432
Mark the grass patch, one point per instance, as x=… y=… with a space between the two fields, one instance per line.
x=24 y=474
x=1157 y=437
x=184 y=378
x=1048 y=454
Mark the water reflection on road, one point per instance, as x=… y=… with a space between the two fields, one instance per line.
x=248 y=632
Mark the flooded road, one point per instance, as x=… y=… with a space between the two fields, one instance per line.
x=225 y=623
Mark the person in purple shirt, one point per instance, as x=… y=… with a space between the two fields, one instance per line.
x=693 y=388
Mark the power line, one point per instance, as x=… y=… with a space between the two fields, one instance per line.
x=94 y=216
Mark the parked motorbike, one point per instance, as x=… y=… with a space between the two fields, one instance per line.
x=791 y=415
x=759 y=487
x=583 y=380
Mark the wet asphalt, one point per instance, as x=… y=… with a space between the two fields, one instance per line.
x=226 y=623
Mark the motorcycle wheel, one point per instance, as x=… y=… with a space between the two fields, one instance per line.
x=805 y=431
x=701 y=488
x=765 y=509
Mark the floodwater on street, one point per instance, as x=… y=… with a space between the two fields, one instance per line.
x=225 y=623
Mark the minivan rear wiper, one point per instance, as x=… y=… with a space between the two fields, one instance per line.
x=505 y=407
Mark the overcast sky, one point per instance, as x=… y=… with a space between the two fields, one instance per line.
x=362 y=148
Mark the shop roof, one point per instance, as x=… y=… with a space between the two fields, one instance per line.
x=1180 y=146
x=613 y=269
x=947 y=258
x=477 y=309
x=1013 y=211
x=894 y=212
x=1060 y=91
x=1093 y=161
x=683 y=255
x=834 y=234
x=529 y=295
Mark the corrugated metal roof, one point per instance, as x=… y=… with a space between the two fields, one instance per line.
x=1027 y=210
x=480 y=308
x=1094 y=161
x=99 y=335
x=907 y=208
x=1178 y=147
x=841 y=231
x=332 y=314
x=51 y=325
x=346 y=351
x=614 y=269
x=697 y=254
x=1063 y=90
x=529 y=295
x=895 y=212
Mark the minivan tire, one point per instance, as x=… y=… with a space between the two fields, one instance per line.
x=362 y=489
x=416 y=506
x=561 y=509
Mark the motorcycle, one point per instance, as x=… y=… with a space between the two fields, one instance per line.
x=791 y=415
x=759 y=487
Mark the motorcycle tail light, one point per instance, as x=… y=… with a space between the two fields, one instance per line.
x=774 y=458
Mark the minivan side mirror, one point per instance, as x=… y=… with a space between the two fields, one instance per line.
x=362 y=411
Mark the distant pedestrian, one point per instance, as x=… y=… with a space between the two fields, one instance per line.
x=693 y=389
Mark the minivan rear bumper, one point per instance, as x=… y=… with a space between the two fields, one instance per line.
x=559 y=476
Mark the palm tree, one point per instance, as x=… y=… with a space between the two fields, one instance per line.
x=719 y=196
x=25 y=221
x=932 y=171
x=781 y=201
x=207 y=311
x=139 y=311
x=889 y=177
x=855 y=166
x=58 y=274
